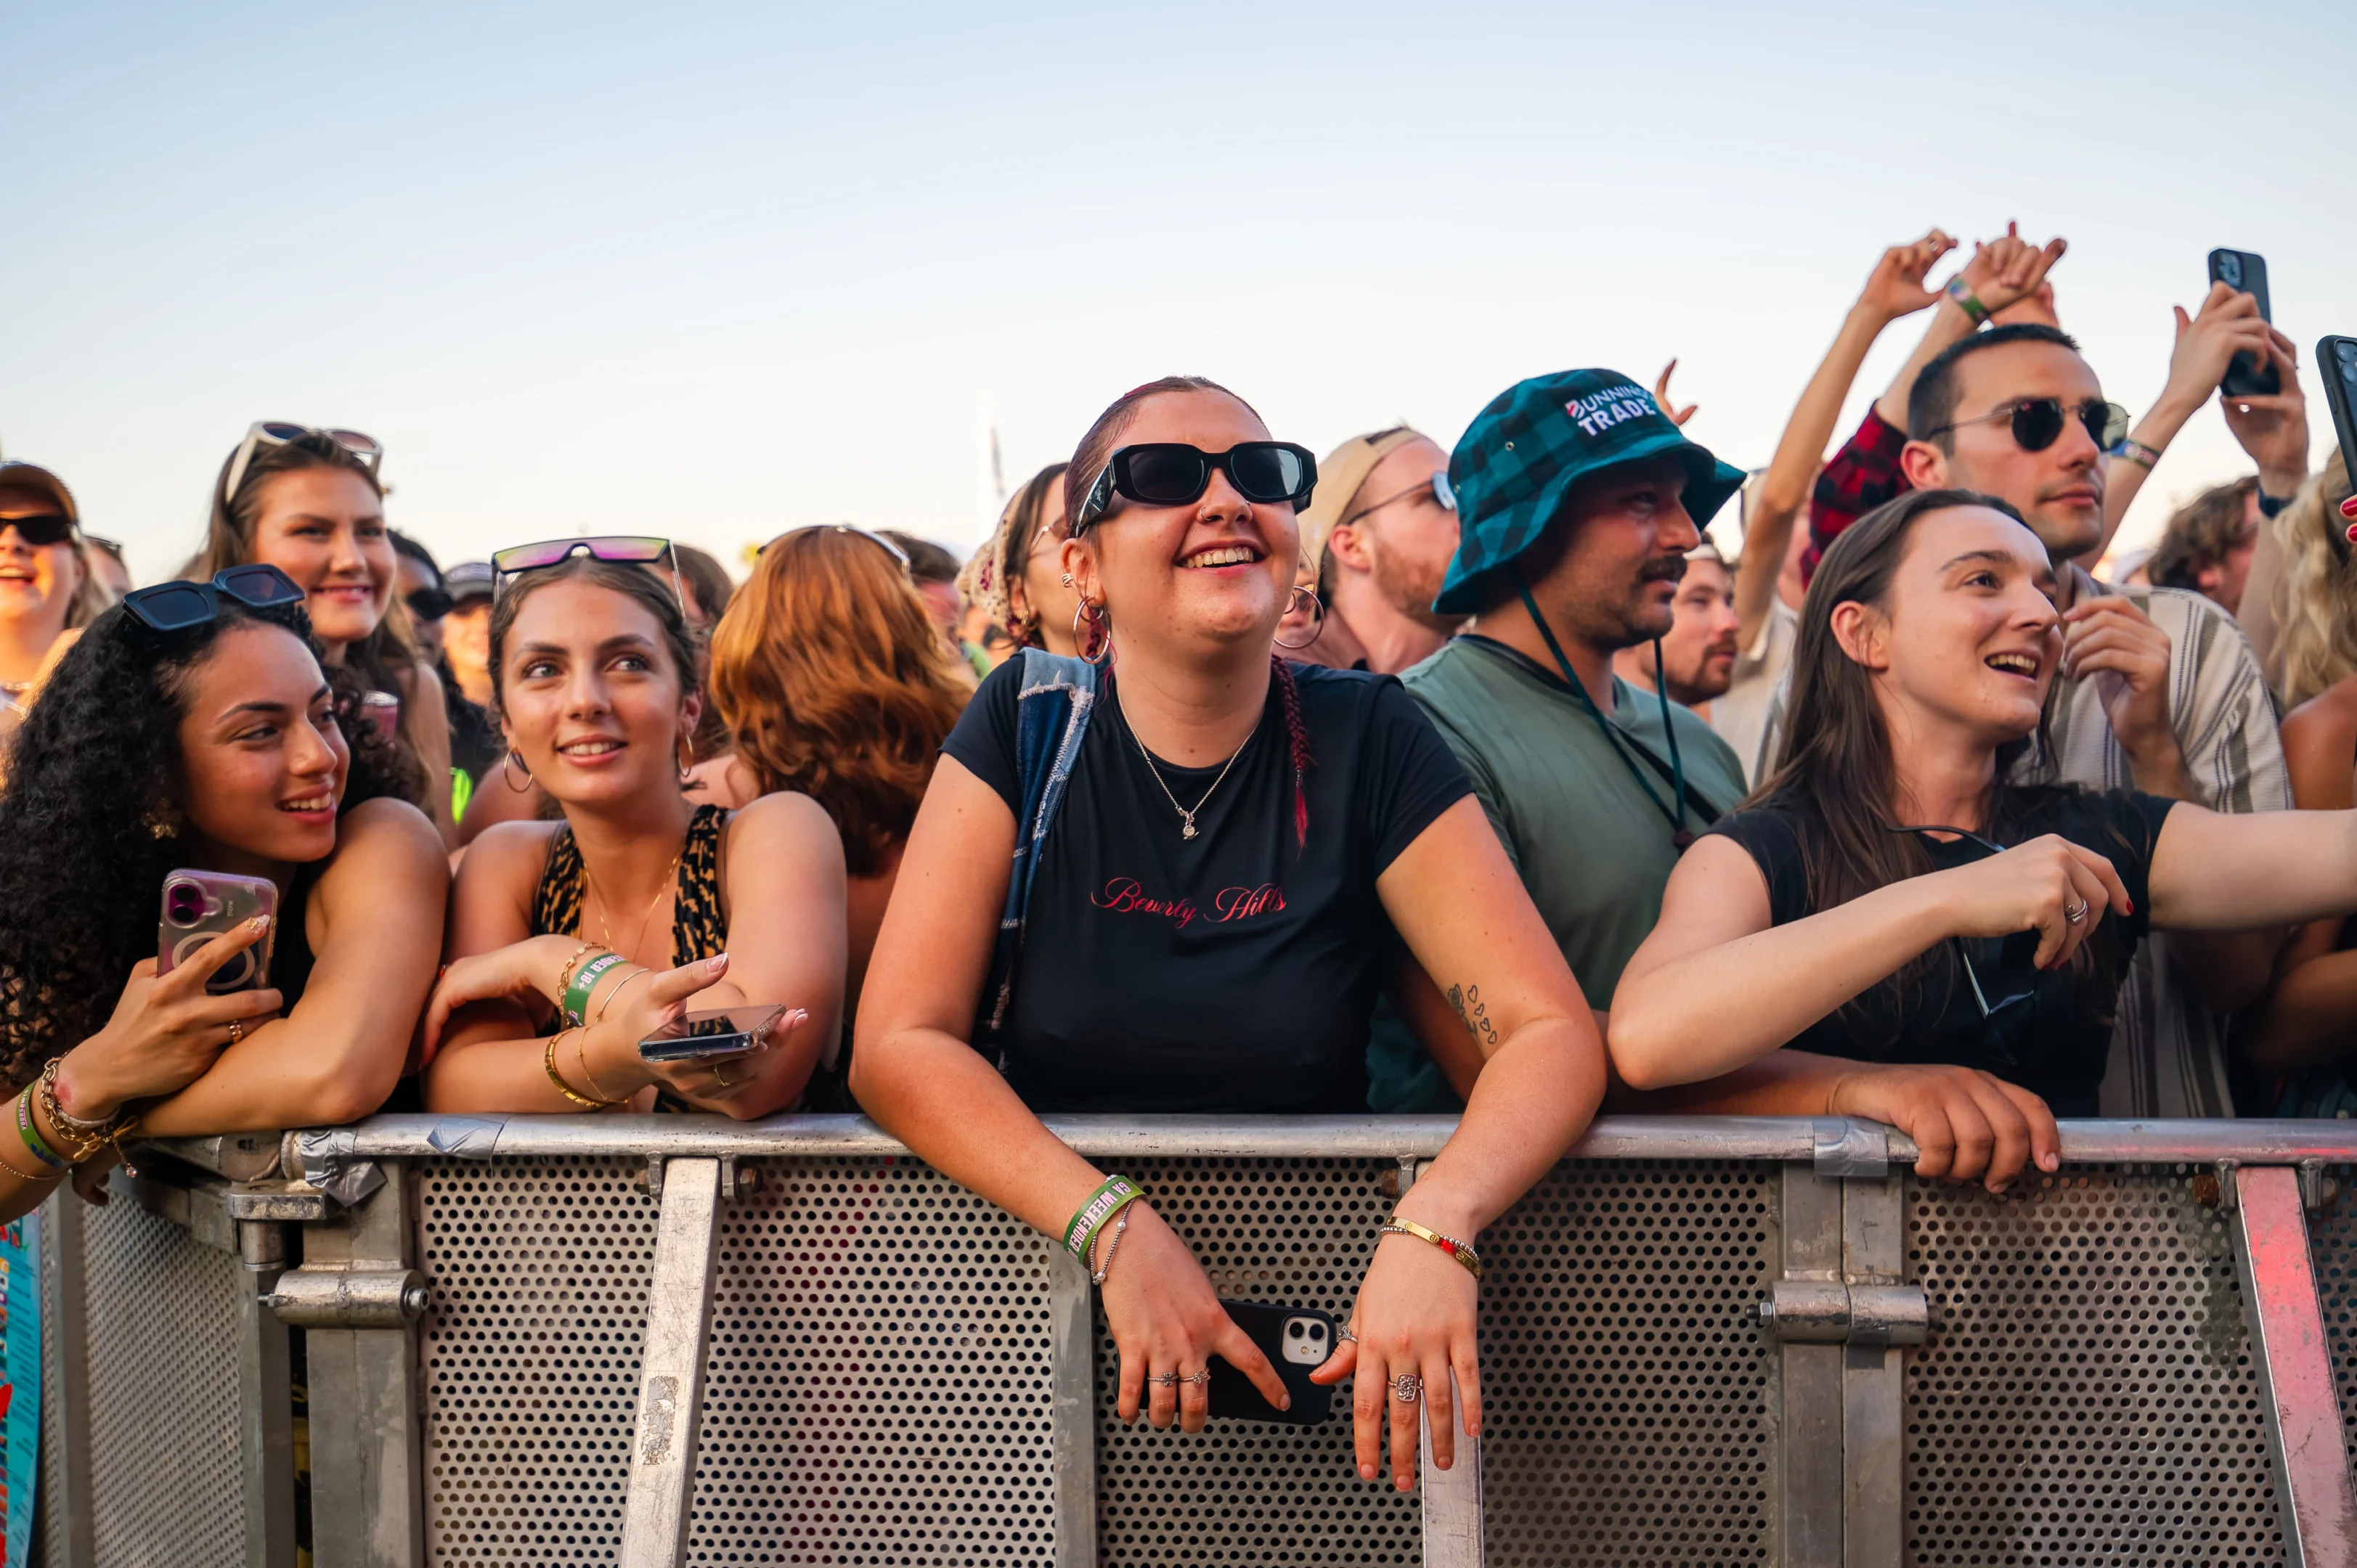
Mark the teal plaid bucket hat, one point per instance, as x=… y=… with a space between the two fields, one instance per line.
x=1538 y=438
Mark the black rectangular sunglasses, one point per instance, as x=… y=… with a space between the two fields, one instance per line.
x=2011 y=960
x=1172 y=473
x=177 y=605
x=47 y=528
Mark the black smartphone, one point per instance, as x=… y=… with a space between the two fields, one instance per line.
x=1297 y=1340
x=2246 y=271
x=699 y=1036
x=2336 y=365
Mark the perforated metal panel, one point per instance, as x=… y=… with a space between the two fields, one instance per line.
x=1627 y=1380
x=167 y=1484
x=538 y=1271
x=1290 y=1232
x=2085 y=1395
x=878 y=1385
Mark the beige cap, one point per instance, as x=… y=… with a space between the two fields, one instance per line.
x=17 y=475
x=1339 y=474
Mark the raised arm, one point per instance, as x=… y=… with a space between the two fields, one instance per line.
x=1716 y=986
x=339 y=1054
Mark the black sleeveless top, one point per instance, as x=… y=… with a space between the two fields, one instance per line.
x=697 y=931
x=290 y=951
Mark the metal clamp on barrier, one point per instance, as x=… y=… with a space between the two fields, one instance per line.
x=349 y=1298
x=1829 y=1312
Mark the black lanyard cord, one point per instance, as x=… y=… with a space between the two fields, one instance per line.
x=1675 y=816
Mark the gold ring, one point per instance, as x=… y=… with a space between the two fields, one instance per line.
x=720 y=1071
x=236 y=1030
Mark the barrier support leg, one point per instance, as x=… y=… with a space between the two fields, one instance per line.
x=1873 y=1390
x=671 y=1385
x=368 y=1508
x=1072 y=1409
x=2292 y=1359
x=1809 y=1437
x=1453 y=1527
x=65 y=1476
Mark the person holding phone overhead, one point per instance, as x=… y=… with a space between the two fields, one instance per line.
x=573 y=941
x=310 y=503
x=1215 y=846
x=193 y=738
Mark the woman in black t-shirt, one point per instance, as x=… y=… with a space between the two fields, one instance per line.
x=1206 y=920
x=1887 y=896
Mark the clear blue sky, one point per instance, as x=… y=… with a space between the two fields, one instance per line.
x=722 y=271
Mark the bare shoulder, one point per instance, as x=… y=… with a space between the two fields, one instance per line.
x=507 y=854
x=387 y=827
x=2320 y=742
x=786 y=823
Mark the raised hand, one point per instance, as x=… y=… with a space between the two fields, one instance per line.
x=2009 y=269
x=2111 y=640
x=1662 y=397
x=1167 y=1324
x=1895 y=287
x=2227 y=324
x=2272 y=428
x=165 y=1032
x=2038 y=887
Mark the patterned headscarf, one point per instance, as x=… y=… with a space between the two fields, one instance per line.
x=985 y=580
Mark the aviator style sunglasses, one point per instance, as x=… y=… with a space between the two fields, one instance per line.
x=628 y=550
x=1442 y=493
x=175 y=607
x=2037 y=422
x=1172 y=473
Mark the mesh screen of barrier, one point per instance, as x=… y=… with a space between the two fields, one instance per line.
x=165 y=1415
x=1627 y=1378
x=2086 y=1393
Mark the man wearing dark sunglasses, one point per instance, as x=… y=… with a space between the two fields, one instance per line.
x=2159 y=690
x=1377 y=538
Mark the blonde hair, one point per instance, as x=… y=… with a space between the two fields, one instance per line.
x=2315 y=629
x=96 y=594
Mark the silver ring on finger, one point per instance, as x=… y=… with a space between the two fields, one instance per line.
x=1344 y=1336
x=236 y=1030
x=1197 y=1379
x=1407 y=1388
x=1164 y=1379
x=2077 y=915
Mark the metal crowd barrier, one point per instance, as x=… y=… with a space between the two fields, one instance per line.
x=681 y=1339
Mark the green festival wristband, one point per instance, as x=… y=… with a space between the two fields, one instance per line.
x=585 y=981
x=1967 y=301
x=32 y=1135
x=1117 y=1193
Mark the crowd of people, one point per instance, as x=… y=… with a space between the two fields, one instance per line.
x=1226 y=779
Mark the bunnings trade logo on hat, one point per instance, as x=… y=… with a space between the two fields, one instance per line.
x=1600 y=411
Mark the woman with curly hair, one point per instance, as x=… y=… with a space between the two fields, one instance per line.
x=218 y=746
x=835 y=684
x=309 y=503
x=574 y=941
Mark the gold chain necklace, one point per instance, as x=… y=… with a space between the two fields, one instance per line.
x=1186 y=817
x=606 y=931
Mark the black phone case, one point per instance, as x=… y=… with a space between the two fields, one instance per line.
x=1232 y=1396
x=2244 y=379
x=2340 y=396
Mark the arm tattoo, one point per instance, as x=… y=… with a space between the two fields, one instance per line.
x=1474 y=1014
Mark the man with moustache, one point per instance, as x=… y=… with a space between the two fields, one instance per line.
x=1696 y=655
x=1578 y=501
x=1376 y=539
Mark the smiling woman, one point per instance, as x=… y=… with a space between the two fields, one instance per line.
x=209 y=743
x=1943 y=947
x=1216 y=851
x=309 y=503
x=48 y=587
x=555 y=925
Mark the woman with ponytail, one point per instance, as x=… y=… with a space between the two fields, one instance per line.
x=1216 y=849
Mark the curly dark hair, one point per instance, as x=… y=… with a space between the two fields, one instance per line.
x=94 y=772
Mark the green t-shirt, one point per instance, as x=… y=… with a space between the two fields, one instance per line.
x=1593 y=851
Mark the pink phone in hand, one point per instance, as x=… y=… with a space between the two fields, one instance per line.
x=201 y=905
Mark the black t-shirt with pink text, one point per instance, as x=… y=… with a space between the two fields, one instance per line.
x=1231 y=973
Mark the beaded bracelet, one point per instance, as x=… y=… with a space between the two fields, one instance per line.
x=1114 y=1194
x=548 y=1061
x=585 y=981
x=1461 y=1251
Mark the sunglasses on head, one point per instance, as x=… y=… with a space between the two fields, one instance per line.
x=48 y=528
x=1443 y=495
x=627 y=549
x=279 y=432
x=898 y=553
x=175 y=607
x=1172 y=473
x=2037 y=422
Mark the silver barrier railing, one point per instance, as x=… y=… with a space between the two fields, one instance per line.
x=555 y=1340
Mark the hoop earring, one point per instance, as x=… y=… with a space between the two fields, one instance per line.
x=1317 y=621
x=686 y=768
x=515 y=766
x=1097 y=621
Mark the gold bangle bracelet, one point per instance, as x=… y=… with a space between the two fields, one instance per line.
x=1461 y=1251
x=548 y=1060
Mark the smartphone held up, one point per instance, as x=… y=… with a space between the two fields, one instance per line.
x=2336 y=366
x=201 y=905
x=2246 y=272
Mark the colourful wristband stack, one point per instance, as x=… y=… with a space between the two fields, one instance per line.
x=1117 y=1193
x=32 y=1135
x=2135 y=452
x=1967 y=301
x=584 y=981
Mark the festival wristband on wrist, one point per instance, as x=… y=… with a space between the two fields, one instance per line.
x=2136 y=451
x=2270 y=505
x=32 y=1133
x=1115 y=1194
x=1967 y=301
x=584 y=981
x=1461 y=1251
